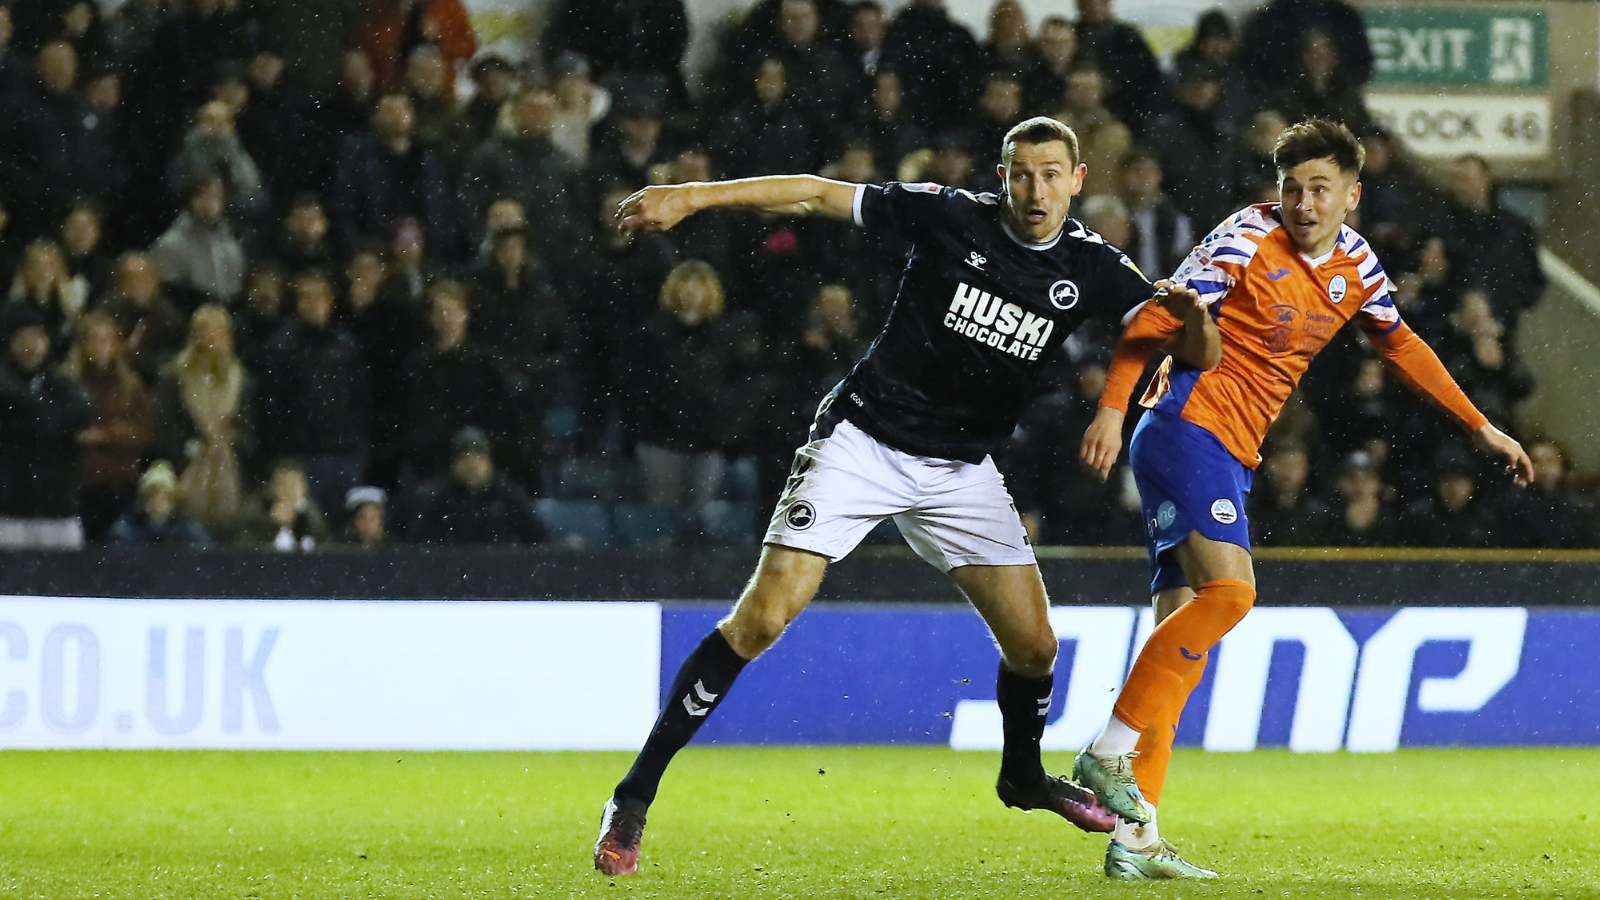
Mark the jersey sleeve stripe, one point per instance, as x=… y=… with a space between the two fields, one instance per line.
x=855 y=205
x=1233 y=251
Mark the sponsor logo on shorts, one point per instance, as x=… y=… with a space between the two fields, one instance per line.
x=1337 y=288
x=801 y=516
x=1063 y=294
x=1224 y=512
x=1166 y=514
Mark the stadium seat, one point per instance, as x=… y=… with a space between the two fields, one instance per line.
x=639 y=525
x=728 y=522
x=575 y=523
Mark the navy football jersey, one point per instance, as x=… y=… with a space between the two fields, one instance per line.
x=978 y=315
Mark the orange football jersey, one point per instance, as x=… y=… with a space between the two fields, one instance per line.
x=1275 y=309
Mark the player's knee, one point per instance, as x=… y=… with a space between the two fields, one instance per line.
x=754 y=627
x=1228 y=599
x=1034 y=658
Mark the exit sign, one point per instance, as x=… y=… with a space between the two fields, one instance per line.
x=1453 y=47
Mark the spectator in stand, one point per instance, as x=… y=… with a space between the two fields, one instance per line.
x=304 y=242
x=641 y=37
x=950 y=164
x=867 y=261
x=1253 y=150
x=580 y=106
x=518 y=314
x=687 y=404
x=83 y=251
x=936 y=58
x=441 y=122
x=350 y=105
x=1476 y=353
x=150 y=322
x=1010 y=46
x=1453 y=515
x=313 y=35
x=393 y=28
x=1061 y=502
x=47 y=151
x=203 y=399
x=366 y=513
x=1136 y=91
x=387 y=325
x=41 y=415
x=1197 y=149
x=630 y=144
x=199 y=251
x=450 y=383
x=43 y=283
x=1056 y=48
x=1103 y=140
x=315 y=398
x=525 y=165
x=1550 y=515
x=889 y=129
x=154 y=520
x=1320 y=88
x=1274 y=31
x=763 y=23
x=1159 y=234
x=1214 y=43
x=122 y=423
x=827 y=86
x=411 y=267
x=999 y=108
x=1488 y=246
x=766 y=130
x=1286 y=513
x=494 y=80
x=1108 y=217
x=261 y=313
x=212 y=146
x=285 y=128
x=384 y=174
x=285 y=514
x=616 y=279
x=131 y=30
x=112 y=146
x=1391 y=200
x=830 y=344
x=864 y=40
x=1362 y=517
x=473 y=504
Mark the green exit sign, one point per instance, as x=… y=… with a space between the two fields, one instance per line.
x=1437 y=46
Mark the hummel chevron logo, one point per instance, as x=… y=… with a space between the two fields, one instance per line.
x=1278 y=274
x=695 y=709
x=1044 y=706
x=1188 y=655
x=975 y=260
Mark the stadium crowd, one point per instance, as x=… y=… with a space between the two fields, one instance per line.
x=290 y=273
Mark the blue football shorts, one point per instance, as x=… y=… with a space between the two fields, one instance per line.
x=1187 y=482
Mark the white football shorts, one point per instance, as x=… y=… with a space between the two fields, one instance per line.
x=952 y=513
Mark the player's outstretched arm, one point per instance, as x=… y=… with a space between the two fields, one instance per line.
x=1421 y=371
x=659 y=207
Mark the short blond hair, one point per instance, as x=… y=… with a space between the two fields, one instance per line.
x=694 y=271
x=1039 y=130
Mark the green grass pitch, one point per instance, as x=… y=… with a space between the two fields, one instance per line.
x=739 y=823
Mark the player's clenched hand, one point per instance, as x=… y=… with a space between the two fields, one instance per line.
x=1497 y=442
x=656 y=208
x=1102 y=442
x=1182 y=301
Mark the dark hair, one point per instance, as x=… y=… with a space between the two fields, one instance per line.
x=1318 y=139
x=1039 y=130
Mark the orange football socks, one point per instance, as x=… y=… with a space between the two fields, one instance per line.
x=1172 y=660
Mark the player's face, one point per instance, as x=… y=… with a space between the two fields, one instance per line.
x=1040 y=183
x=1315 y=197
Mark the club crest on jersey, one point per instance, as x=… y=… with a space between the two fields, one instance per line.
x=1063 y=294
x=998 y=323
x=1337 y=289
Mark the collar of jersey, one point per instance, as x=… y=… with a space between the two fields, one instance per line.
x=1338 y=242
x=1005 y=225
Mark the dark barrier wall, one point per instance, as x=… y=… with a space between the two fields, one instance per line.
x=1337 y=578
